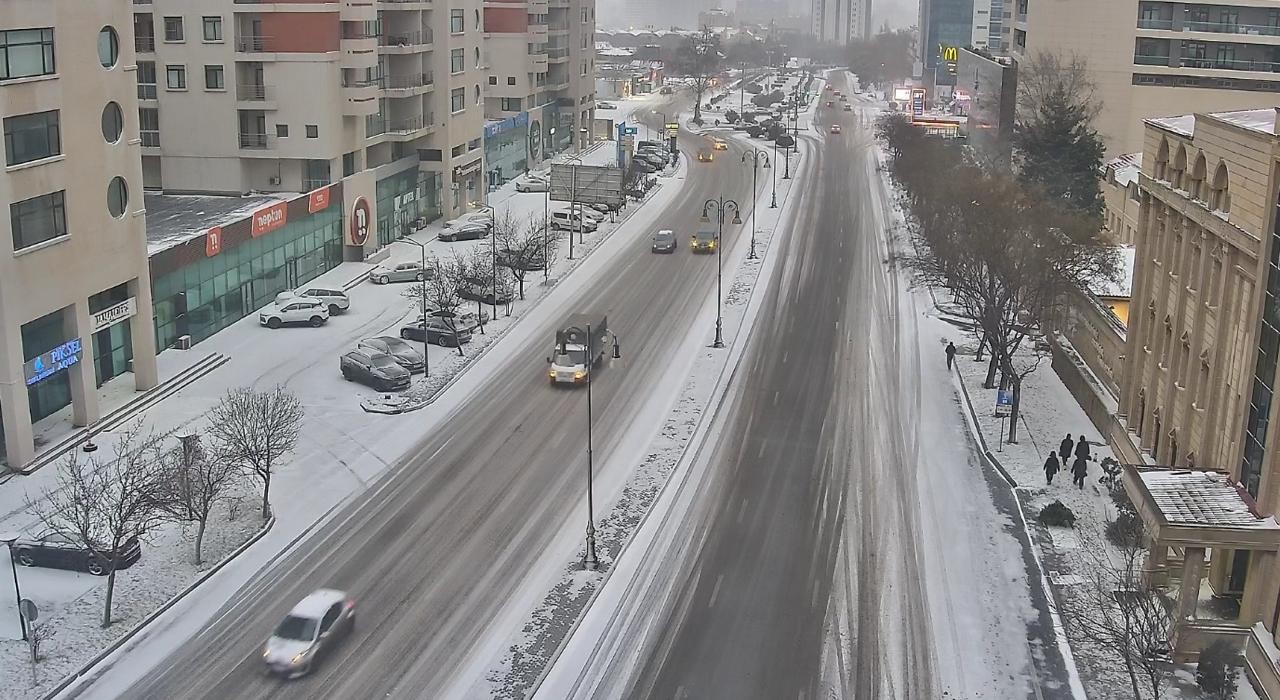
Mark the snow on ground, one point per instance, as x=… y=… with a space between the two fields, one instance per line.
x=524 y=659
x=341 y=451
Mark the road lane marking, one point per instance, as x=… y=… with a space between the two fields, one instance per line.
x=785 y=355
x=742 y=509
x=760 y=452
x=813 y=599
x=775 y=397
x=715 y=592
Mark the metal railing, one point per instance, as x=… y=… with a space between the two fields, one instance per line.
x=1155 y=23
x=150 y=139
x=144 y=44
x=1230 y=64
x=408 y=82
x=1139 y=60
x=1231 y=28
x=418 y=38
x=375 y=82
x=252 y=44
x=555 y=52
x=254 y=92
x=255 y=141
x=146 y=91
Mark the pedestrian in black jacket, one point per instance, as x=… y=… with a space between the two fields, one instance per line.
x=1079 y=470
x=1050 y=467
x=1064 y=449
x=1082 y=448
x=951 y=354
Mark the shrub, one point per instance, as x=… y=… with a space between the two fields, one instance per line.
x=1057 y=515
x=731 y=116
x=1216 y=671
x=1126 y=530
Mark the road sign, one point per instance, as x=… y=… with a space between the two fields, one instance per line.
x=1004 y=402
x=673 y=129
x=28 y=610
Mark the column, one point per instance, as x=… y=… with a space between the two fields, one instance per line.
x=142 y=336
x=1156 y=572
x=19 y=439
x=84 y=386
x=1192 y=570
x=1260 y=587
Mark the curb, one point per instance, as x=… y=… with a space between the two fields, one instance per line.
x=89 y=665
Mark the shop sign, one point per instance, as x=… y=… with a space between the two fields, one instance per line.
x=361 y=216
x=112 y=315
x=267 y=220
x=318 y=200
x=52 y=362
x=213 y=242
x=495 y=128
x=917 y=102
x=673 y=129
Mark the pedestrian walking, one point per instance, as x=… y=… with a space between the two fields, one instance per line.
x=1050 y=467
x=951 y=354
x=1064 y=449
x=1079 y=470
x=1082 y=448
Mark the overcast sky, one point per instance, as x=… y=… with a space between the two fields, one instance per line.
x=898 y=13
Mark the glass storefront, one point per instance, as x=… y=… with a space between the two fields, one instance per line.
x=54 y=392
x=404 y=198
x=112 y=346
x=506 y=150
x=203 y=296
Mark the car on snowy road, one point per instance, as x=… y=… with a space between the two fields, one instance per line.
x=664 y=241
x=466 y=231
x=411 y=271
x=309 y=632
x=437 y=331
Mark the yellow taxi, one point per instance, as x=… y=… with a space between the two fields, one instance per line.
x=718 y=145
x=705 y=156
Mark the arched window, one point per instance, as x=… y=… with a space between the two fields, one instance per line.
x=1179 y=168
x=1162 y=160
x=1219 y=190
x=1195 y=183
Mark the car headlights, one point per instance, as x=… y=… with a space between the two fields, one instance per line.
x=301 y=657
x=579 y=374
x=551 y=373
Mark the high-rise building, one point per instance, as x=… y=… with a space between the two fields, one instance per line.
x=242 y=97
x=1153 y=58
x=841 y=21
x=73 y=257
x=992 y=25
x=943 y=24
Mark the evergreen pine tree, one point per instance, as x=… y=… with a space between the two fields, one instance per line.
x=1059 y=152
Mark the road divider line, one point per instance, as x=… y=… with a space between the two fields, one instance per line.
x=715 y=591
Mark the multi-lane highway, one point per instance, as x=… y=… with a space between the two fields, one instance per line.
x=437 y=554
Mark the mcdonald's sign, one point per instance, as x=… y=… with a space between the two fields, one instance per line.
x=949 y=55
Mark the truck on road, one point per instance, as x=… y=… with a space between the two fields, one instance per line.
x=574 y=349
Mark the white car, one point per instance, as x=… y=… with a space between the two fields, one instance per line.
x=591 y=213
x=410 y=271
x=532 y=183
x=295 y=310
x=309 y=632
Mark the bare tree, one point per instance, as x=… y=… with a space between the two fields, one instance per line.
x=441 y=293
x=698 y=58
x=1045 y=74
x=253 y=429
x=1117 y=609
x=105 y=505
x=484 y=282
x=193 y=483
x=521 y=249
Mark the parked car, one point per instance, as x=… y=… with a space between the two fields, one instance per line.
x=336 y=299
x=309 y=632
x=295 y=310
x=405 y=355
x=785 y=141
x=848 y=107
x=437 y=332
x=604 y=105
x=644 y=166
x=56 y=551
x=464 y=320
x=570 y=221
x=665 y=91
x=375 y=369
x=511 y=259
x=481 y=290
x=703 y=242
x=591 y=212
x=467 y=231
x=532 y=183
x=409 y=271
x=653 y=159
x=664 y=241
x=485 y=215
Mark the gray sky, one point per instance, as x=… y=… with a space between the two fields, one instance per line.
x=898 y=13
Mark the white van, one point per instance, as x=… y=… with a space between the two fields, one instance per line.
x=570 y=221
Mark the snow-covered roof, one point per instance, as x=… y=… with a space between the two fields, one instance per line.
x=1123 y=288
x=1260 y=120
x=1188 y=497
x=1126 y=168
x=174 y=218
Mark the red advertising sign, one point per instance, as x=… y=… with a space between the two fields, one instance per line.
x=318 y=200
x=269 y=219
x=361 y=219
x=213 y=242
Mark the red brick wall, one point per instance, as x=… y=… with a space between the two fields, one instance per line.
x=300 y=32
x=503 y=20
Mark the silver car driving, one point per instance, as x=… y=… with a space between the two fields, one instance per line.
x=309 y=632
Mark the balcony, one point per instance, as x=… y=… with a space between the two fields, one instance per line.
x=358 y=11
x=144 y=44
x=361 y=97
x=252 y=44
x=408 y=85
x=558 y=54
x=255 y=93
x=1152 y=23
x=1150 y=60
x=1262 y=66
x=392 y=5
x=255 y=142
x=146 y=91
x=399 y=129
x=150 y=139
x=557 y=27
x=404 y=42
x=359 y=51
x=1231 y=28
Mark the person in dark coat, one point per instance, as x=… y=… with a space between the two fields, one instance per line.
x=951 y=354
x=1064 y=449
x=1082 y=448
x=1050 y=467
x=1079 y=470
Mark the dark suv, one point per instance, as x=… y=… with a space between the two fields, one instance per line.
x=58 y=551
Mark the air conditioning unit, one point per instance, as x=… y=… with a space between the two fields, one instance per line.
x=184 y=342
x=273 y=180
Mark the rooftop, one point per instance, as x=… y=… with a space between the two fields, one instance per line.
x=1187 y=497
x=1126 y=168
x=1262 y=121
x=175 y=218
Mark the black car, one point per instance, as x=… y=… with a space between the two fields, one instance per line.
x=57 y=551
x=374 y=369
x=481 y=290
x=437 y=332
x=664 y=241
x=520 y=261
x=469 y=231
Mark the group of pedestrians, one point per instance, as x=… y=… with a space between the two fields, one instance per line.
x=1079 y=467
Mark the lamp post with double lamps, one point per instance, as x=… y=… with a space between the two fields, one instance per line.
x=756 y=158
x=8 y=539
x=493 y=252
x=422 y=295
x=720 y=207
x=590 y=561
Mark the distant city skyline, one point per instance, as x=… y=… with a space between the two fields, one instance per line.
x=664 y=14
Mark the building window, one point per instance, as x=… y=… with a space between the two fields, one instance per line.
x=478 y=96
x=456 y=58
x=477 y=57
x=31 y=137
x=212 y=28
x=510 y=104
x=112 y=122
x=146 y=80
x=459 y=150
x=493 y=80
x=108 y=47
x=214 y=78
x=473 y=145
x=25 y=53
x=457 y=99
x=282 y=131
x=38 y=219
x=173 y=29
x=149 y=126
x=511 y=80
x=117 y=197
x=348 y=164
x=457 y=20
x=176 y=77
x=313 y=131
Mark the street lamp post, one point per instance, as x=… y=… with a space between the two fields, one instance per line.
x=8 y=539
x=589 y=560
x=755 y=156
x=546 y=223
x=773 y=175
x=720 y=207
x=422 y=292
x=493 y=246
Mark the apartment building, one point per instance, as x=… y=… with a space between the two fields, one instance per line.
x=1153 y=58
x=841 y=21
x=238 y=97
x=943 y=23
x=992 y=25
x=1200 y=371
x=73 y=258
x=541 y=81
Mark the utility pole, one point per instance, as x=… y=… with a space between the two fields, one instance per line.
x=589 y=560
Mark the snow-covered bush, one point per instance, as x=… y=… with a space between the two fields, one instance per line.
x=1057 y=514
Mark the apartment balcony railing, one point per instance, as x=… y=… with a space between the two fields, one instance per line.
x=1144 y=23
x=404 y=2
x=146 y=91
x=252 y=44
x=1231 y=64
x=150 y=139
x=254 y=92
x=419 y=38
x=144 y=44
x=1231 y=28
x=255 y=141
x=408 y=82
x=555 y=52
x=557 y=26
x=1151 y=60
x=375 y=125
x=376 y=82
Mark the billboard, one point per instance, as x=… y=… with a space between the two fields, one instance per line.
x=917 y=102
x=588 y=184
